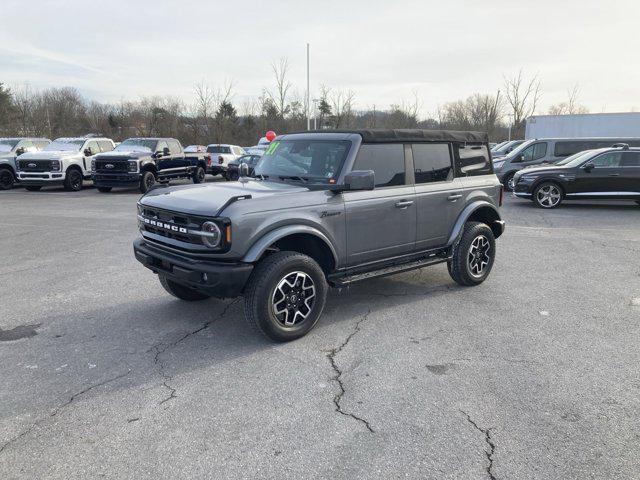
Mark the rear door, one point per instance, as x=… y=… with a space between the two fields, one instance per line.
x=630 y=173
x=438 y=194
x=381 y=223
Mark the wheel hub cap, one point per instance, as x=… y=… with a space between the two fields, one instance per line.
x=293 y=298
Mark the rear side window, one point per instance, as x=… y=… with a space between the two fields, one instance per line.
x=432 y=162
x=631 y=159
x=472 y=160
x=386 y=160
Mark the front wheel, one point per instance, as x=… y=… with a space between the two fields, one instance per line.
x=473 y=256
x=285 y=296
x=547 y=195
x=7 y=179
x=33 y=188
x=508 y=182
x=147 y=181
x=198 y=175
x=104 y=189
x=181 y=291
x=73 y=180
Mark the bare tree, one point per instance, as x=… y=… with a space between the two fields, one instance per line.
x=342 y=106
x=571 y=106
x=279 y=97
x=522 y=97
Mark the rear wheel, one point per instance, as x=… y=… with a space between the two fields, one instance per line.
x=547 y=195
x=33 y=188
x=104 y=189
x=147 y=181
x=7 y=179
x=198 y=175
x=73 y=180
x=285 y=296
x=181 y=291
x=474 y=255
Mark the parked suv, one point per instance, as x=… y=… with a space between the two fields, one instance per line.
x=64 y=161
x=326 y=209
x=604 y=173
x=10 y=150
x=141 y=162
x=219 y=155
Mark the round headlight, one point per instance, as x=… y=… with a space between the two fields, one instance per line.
x=211 y=234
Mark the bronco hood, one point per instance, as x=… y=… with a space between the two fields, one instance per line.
x=210 y=199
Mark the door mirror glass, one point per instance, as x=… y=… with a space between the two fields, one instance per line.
x=587 y=167
x=360 y=180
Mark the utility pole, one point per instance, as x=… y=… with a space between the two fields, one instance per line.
x=308 y=93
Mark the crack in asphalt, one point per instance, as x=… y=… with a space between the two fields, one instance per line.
x=166 y=378
x=488 y=440
x=61 y=407
x=331 y=355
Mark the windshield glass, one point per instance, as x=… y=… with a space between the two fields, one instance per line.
x=64 y=145
x=136 y=145
x=575 y=159
x=7 y=144
x=309 y=159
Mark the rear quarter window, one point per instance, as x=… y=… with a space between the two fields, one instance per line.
x=472 y=160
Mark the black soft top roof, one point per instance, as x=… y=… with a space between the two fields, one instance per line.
x=413 y=135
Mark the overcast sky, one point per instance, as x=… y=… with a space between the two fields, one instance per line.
x=444 y=50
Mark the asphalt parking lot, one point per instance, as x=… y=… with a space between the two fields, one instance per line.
x=534 y=374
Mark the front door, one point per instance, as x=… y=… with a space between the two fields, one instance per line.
x=381 y=223
x=605 y=177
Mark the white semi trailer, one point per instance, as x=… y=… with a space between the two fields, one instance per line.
x=583 y=125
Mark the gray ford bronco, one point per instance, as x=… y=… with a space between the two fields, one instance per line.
x=326 y=209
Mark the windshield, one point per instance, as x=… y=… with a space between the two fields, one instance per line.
x=307 y=159
x=64 y=145
x=7 y=144
x=136 y=145
x=575 y=159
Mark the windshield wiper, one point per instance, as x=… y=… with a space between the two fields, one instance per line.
x=293 y=177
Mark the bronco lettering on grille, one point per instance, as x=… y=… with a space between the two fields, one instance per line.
x=166 y=226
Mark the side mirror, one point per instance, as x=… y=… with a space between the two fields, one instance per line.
x=166 y=151
x=360 y=180
x=244 y=169
x=19 y=150
x=157 y=154
x=88 y=152
x=587 y=167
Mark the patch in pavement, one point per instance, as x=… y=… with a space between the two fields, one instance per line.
x=16 y=333
x=441 y=369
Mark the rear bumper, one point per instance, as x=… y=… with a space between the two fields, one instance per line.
x=218 y=279
x=115 y=179
x=216 y=169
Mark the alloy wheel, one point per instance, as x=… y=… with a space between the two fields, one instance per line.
x=548 y=196
x=293 y=298
x=479 y=255
x=511 y=184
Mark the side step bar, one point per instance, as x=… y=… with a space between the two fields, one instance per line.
x=338 y=280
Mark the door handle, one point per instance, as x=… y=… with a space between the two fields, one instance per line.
x=614 y=174
x=454 y=197
x=404 y=203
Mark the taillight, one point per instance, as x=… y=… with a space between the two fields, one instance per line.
x=209 y=160
x=220 y=160
x=501 y=195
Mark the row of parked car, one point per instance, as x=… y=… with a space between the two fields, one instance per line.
x=136 y=162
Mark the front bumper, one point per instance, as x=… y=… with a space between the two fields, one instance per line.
x=218 y=279
x=41 y=179
x=115 y=179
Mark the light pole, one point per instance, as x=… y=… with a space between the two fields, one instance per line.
x=308 y=93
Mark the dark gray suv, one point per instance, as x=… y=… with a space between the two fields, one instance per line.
x=326 y=209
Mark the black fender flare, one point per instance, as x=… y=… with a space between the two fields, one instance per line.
x=467 y=212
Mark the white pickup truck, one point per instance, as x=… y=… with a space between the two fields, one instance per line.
x=65 y=161
x=219 y=155
x=10 y=150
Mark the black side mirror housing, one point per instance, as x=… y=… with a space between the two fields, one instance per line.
x=166 y=151
x=19 y=150
x=88 y=152
x=587 y=167
x=360 y=180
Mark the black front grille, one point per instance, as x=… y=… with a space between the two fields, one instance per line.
x=180 y=220
x=112 y=166
x=34 y=165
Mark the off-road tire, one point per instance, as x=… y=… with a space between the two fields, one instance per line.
x=261 y=287
x=73 y=180
x=7 y=179
x=459 y=265
x=104 y=189
x=181 y=291
x=33 y=188
x=198 y=175
x=147 y=181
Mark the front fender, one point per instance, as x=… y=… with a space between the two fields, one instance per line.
x=466 y=213
x=259 y=247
